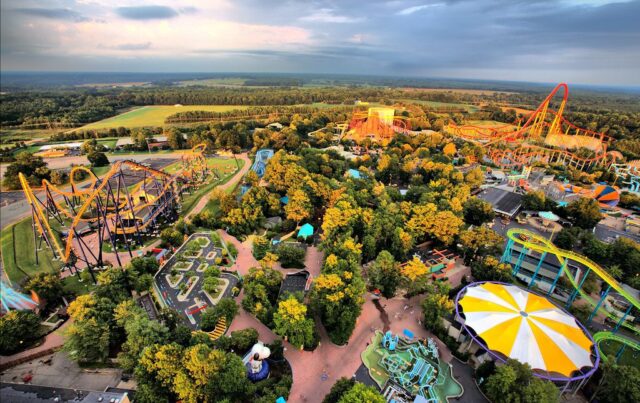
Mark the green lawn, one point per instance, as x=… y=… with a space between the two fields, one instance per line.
x=23 y=263
x=439 y=105
x=153 y=115
x=107 y=141
x=629 y=356
x=221 y=165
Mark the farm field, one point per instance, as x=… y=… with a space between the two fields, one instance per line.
x=437 y=105
x=214 y=82
x=487 y=123
x=153 y=115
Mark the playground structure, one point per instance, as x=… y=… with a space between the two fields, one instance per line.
x=121 y=207
x=256 y=362
x=607 y=196
x=629 y=175
x=262 y=158
x=529 y=241
x=405 y=368
x=11 y=299
x=380 y=125
x=546 y=137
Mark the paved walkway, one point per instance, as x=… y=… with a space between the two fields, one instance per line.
x=54 y=339
x=232 y=182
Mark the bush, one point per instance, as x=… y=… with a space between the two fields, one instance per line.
x=18 y=329
x=210 y=285
x=233 y=251
x=212 y=271
x=290 y=256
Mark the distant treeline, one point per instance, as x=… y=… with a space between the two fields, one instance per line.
x=273 y=82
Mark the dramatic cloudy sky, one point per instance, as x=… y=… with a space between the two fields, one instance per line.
x=585 y=41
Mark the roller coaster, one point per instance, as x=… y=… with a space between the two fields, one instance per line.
x=120 y=208
x=546 y=136
x=530 y=241
x=380 y=125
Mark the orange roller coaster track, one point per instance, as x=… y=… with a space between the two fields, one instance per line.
x=121 y=206
x=545 y=136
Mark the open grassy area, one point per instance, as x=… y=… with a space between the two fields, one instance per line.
x=153 y=115
x=214 y=82
x=441 y=105
x=225 y=168
x=21 y=264
x=109 y=142
x=629 y=356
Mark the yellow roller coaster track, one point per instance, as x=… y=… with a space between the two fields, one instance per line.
x=194 y=161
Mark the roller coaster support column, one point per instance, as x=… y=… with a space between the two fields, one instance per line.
x=523 y=252
x=619 y=353
x=577 y=290
x=602 y=298
x=535 y=273
x=507 y=252
x=555 y=281
x=621 y=321
x=35 y=237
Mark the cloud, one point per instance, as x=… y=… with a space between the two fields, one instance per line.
x=53 y=13
x=415 y=9
x=146 y=12
x=134 y=46
x=328 y=15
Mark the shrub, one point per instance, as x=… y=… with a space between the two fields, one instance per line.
x=290 y=256
x=18 y=329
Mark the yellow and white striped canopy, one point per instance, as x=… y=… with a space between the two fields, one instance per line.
x=526 y=327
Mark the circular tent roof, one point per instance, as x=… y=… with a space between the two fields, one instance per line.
x=515 y=323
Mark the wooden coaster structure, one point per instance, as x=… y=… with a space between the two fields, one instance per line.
x=546 y=136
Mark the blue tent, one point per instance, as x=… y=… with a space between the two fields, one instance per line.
x=354 y=173
x=306 y=231
x=284 y=200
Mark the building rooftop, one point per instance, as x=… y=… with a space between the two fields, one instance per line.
x=21 y=393
x=502 y=201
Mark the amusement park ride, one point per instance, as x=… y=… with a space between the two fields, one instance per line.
x=119 y=208
x=380 y=125
x=547 y=137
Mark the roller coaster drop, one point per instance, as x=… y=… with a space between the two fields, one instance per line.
x=546 y=136
x=529 y=241
x=122 y=206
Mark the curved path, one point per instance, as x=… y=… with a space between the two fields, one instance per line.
x=314 y=372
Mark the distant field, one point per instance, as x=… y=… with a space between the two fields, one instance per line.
x=436 y=105
x=487 y=123
x=214 y=82
x=153 y=115
x=458 y=90
x=10 y=135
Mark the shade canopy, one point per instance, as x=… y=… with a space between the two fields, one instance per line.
x=306 y=230
x=527 y=327
x=548 y=215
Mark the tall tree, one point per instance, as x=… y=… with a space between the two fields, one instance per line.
x=384 y=274
x=292 y=323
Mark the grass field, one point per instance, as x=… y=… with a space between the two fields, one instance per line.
x=107 y=141
x=487 y=123
x=226 y=169
x=22 y=264
x=153 y=115
x=628 y=357
x=441 y=105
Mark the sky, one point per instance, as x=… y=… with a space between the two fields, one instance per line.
x=577 y=41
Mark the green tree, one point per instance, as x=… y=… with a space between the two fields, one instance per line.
x=584 y=212
x=260 y=247
x=171 y=237
x=291 y=322
x=341 y=387
x=87 y=341
x=33 y=168
x=226 y=308
x=619 y=383
x=384 y=274
x=514 y=382
x=534 y=200
x=290 y=255
x=436 y=305
x=18 y=330
x=490 y=269
x=362 y=393
x=98 y=159
x=480 y=241
x=566 y=238
x=48 y=286
x=477 y=211
x=299 y=206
